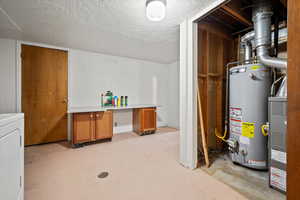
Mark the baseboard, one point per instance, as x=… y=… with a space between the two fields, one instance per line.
x=162 y=124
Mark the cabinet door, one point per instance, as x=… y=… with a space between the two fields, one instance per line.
x=137 y=120
x=148 y=119
x=104 y=125
x=83 y=127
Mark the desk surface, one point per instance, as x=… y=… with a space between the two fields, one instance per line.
x=83 y=109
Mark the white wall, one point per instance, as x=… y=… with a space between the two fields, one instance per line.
x=143 y=82
x=8 y=76
x=173 y=102
x=91 y=73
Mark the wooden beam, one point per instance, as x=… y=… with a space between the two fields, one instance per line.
x=236 y=15
x=215 y=29
x=293 y=125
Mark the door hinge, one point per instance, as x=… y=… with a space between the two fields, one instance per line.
x=20 y=141
x=20 y=181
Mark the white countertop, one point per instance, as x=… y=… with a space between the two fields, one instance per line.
x=83 y=109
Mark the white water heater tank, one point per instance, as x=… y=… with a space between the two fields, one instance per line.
x=249 y=89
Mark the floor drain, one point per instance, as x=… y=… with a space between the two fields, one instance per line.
x=103 y=175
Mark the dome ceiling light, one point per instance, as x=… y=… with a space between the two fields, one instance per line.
x=156 y=9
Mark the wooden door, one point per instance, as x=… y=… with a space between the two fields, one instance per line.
x=149 y=119
x=104 y=125
x=44 y=94
x=293 y=125
x=83 y=128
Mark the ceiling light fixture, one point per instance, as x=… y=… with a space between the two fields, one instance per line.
x=156 y=9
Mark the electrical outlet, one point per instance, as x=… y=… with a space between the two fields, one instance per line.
x=116 y=124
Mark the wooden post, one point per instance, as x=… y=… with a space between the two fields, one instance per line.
x=293 y=125
x=202 y=131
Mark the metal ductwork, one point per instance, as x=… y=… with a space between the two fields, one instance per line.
x=261 y=16
x=248 y=52
x=246 y=43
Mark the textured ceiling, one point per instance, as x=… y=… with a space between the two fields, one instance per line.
x=117 y=27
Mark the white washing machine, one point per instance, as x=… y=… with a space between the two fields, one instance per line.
x=12 y=156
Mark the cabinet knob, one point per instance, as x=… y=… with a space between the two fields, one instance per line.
x=91 y=116
x=97 y=115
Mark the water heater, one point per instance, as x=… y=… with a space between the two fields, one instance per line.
x=249 y=89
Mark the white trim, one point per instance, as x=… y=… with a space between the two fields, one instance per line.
x=18 y=77
x=184 y=148
x=44 y=45
x=208 y=9
x=188 y=91
x=188 y=86
x=162 y=124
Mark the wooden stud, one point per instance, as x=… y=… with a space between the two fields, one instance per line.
x=236 y=15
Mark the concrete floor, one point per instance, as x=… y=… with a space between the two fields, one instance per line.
x=140 y=168
x=251 y=183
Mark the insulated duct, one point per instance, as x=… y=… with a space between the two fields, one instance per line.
x=261 y=16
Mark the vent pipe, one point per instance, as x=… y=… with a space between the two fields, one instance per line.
x=246 y=42
x=261 y=16
x=248 y=52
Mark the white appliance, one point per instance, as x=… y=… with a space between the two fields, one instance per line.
x=12 y=156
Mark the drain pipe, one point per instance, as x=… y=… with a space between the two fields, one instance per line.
x=261 y=16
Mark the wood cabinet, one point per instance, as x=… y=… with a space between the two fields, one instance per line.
x=144 y=120
x=92 y=126
x=103 y=125
x=83 y=127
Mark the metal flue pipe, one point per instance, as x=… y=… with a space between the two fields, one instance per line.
x=248 y=51
x=246 y=43
x=261 y=16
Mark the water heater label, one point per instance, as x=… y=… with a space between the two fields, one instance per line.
x=248 y=129
x=278 y=156
x=278 y=178
x=255 y=67
x=235 y=120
